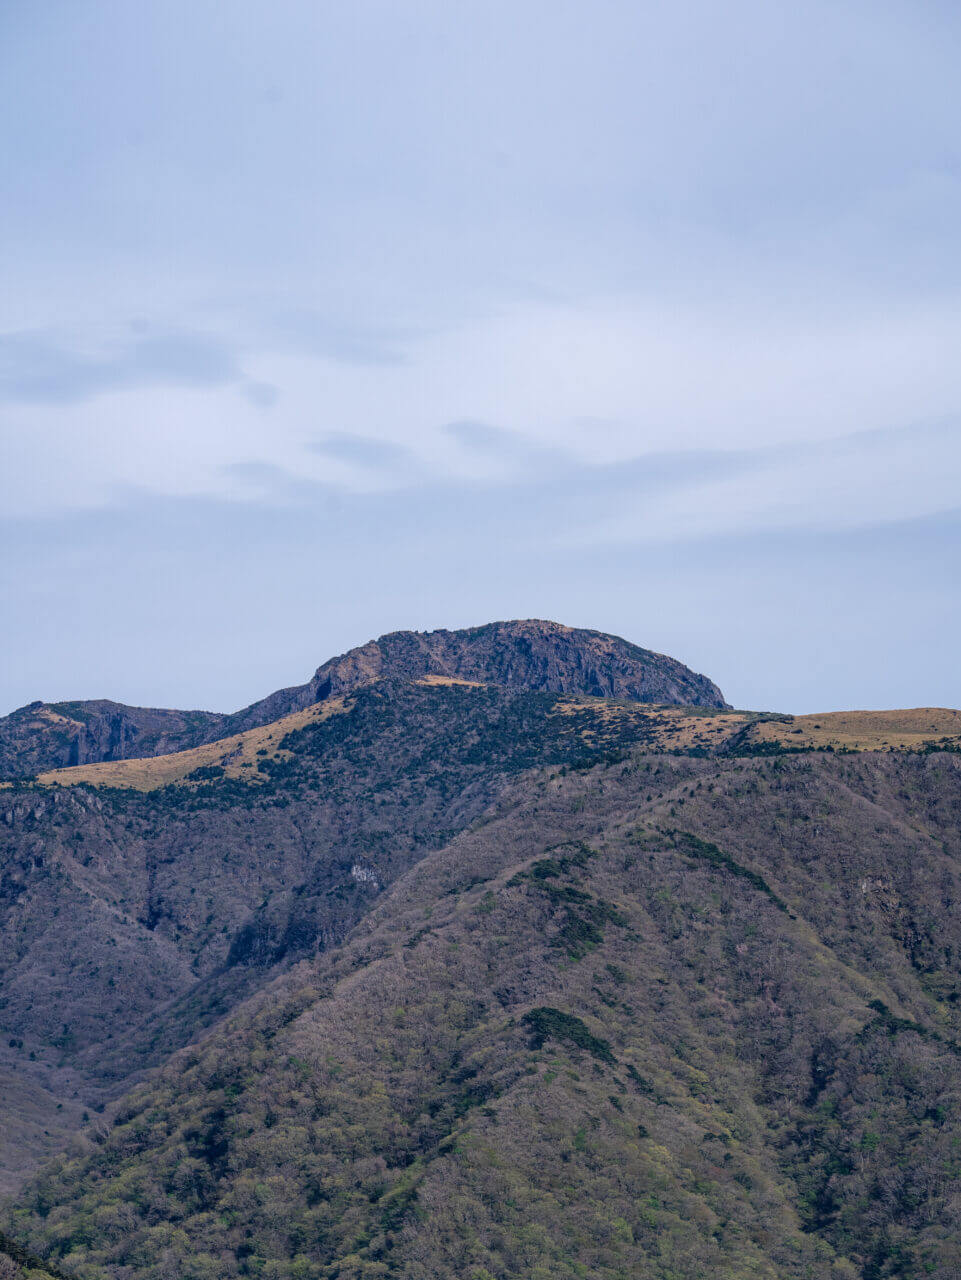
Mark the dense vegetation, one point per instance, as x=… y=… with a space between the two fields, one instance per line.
x=662 y=1017
x=472 y=981
x=17 y=1263
x=130 y=920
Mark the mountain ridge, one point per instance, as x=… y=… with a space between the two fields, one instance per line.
x=528 y=654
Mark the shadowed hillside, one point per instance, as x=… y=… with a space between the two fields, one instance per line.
x=134 y=912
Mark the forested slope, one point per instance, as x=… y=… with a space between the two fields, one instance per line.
x=136 y=909
x=659 y=1017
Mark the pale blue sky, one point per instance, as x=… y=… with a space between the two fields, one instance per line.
x=319 y=320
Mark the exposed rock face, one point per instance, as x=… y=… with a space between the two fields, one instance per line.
x=533 y=654
x=55 y=735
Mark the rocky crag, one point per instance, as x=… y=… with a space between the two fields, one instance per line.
x=534 y=655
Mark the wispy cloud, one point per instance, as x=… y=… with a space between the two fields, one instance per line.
x=35 y=368
x=805 y=423
x=787 y=618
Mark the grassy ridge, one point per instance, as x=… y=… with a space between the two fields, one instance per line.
x=248 y=756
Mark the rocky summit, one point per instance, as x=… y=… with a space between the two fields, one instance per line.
x=508 y=952
x=533 y=655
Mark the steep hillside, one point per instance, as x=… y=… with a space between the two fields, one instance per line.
x=532 y=655
x=140 y=900
x=663 y=1017
x=253 y=756
x=455 y=968
x=244 y=756
x=135 y=912
x=17 y=1263
x=60 y=734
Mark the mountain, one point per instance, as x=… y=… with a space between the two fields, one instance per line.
x=52 y=735
x=441 y=976
x=662 y=1017
x=127 y=925
x=142 y=899
x=534 y=655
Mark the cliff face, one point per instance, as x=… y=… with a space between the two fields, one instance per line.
x=532 y=655
x=45 y=735
x=548 y=657
x=535 y=655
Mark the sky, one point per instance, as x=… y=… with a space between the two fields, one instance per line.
x=320 y=320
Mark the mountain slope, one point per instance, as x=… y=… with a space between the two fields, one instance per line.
x=533 y=655
x=19 y=1264
x=662 y=1018
x=133 y=914
x=459 y=969
x=57 y=735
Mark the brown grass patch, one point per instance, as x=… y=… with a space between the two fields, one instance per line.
x=865 y=730
x=680 y=729
x=46 y=717
x=447 y=681
x=237 y=756
x=665 y=728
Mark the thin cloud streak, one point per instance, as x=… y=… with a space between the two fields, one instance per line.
x=600 y=385
x=787 y=619
x=37 y=369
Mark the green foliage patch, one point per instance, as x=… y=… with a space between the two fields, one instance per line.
x=546 y=1023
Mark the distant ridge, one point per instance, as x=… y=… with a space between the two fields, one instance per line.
x=531 y=654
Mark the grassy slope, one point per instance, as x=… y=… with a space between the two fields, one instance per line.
x=243 y=756
x=666 y=1018
x=246 y=757
x=866 y=730
x=239 y=756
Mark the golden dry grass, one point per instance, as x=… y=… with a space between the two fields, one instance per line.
x=447 y=681
x=865 y=730
x=677 y=729
x=46 y=717
x=672 y=728
x=237 y=756
x=664 y=728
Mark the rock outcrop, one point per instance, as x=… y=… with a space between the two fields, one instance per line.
x=534 y=655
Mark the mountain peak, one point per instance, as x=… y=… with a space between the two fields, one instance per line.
x=533 y=654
